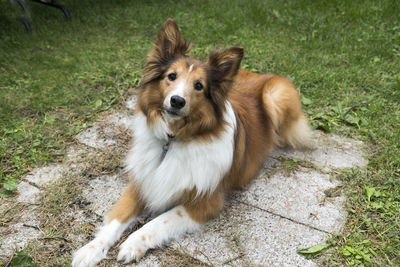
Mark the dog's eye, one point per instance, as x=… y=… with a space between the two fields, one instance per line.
x=172 y=76
x=198 y=86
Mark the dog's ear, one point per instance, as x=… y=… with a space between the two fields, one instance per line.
x=224 y=65
x=168 y=44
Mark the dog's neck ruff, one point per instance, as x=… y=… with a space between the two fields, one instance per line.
x=163 y=177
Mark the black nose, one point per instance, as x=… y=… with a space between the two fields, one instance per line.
x=177 y=102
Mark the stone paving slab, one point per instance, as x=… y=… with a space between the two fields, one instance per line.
x=300 y=197
x=29 y=189
x=250 y=236
x=103 y=192
x=45 y=175
x=91 y=138
x=28 y=193
x=331 y=151
x=17 y=236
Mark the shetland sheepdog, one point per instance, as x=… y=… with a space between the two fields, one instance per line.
x=201 y=130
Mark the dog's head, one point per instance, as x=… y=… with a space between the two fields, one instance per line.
x=189 y=94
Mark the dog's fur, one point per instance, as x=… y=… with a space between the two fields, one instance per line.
x=184 y=159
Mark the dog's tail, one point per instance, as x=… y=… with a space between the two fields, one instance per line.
x=283 y=108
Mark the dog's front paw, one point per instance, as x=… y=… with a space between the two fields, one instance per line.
x=132 y=249
x=90 y=254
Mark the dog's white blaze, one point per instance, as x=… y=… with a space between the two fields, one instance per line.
x=179 y=90
x=190 y=68
x=167 y=226
x=97 y=249
x=186 y=166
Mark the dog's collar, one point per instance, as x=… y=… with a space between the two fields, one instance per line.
x=166 y=145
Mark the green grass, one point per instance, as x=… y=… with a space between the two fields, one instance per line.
x=55 y=80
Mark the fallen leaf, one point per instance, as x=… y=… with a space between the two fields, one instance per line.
x=313 y=249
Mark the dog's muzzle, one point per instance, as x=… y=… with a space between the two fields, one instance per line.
x=177 y=102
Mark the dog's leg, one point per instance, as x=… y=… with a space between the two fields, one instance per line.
x=124 y=212
x=170 y=225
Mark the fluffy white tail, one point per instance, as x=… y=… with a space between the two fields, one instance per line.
x=283 y=108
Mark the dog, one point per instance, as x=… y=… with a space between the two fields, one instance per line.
x=201 y=130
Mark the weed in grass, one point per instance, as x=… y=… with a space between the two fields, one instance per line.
x=290 y=165
x=22 y=259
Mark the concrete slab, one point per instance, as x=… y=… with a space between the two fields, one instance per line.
x=299 y=196
x=247 y=236
x=16 y=236
x=150 y=260
x=103 y=192
x=45 y=175
x=27 y=193
x=92 y=138
x=104 y=133
x=331 y=151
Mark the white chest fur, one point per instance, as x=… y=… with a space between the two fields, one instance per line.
x=190 y=165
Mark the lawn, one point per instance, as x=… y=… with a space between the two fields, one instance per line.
x=343 y=56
